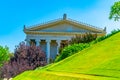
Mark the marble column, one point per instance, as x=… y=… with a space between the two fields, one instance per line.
x=58 y=46
x=28 y=42
x=37 y=42
x=48 y=50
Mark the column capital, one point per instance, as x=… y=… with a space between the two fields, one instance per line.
x=37 y=39
x=48 y=40
x=58 y=41
x=27 y=39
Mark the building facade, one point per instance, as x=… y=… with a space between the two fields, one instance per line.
x=49 y=36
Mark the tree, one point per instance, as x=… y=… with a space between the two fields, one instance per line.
x=25 y=58
x=115 y=11
x=4 y=55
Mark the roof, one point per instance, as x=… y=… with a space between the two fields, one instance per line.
x=64 y=20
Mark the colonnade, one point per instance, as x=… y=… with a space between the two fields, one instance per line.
x=48 y=41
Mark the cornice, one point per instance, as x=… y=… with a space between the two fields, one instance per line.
x=59 y=33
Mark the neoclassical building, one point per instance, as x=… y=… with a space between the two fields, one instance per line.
x=50 y=35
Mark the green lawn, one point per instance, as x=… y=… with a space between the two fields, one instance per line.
x=98 y=62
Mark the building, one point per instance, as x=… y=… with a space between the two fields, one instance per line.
x=50 y=35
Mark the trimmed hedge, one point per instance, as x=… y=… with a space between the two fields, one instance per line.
x=70 y=50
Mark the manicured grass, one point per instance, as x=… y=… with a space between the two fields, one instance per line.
x=101 y=61
x=49 y=75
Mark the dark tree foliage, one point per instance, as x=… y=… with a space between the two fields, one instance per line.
x=25 y=58
x=86 y=38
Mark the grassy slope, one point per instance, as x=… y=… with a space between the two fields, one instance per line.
x=100 y=62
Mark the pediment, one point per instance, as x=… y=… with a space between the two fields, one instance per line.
x=65 y=26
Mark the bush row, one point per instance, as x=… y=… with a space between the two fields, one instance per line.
x=70 y=50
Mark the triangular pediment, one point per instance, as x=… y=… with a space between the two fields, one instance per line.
x=65 y=26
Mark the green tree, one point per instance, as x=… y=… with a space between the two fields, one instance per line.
x=4 y=55
x=115 y=11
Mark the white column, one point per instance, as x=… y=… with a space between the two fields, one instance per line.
x=28 y=42
x=37 y=42
x=58 y=46
x=48 y=50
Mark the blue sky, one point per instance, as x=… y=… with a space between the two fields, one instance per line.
x=16 y=13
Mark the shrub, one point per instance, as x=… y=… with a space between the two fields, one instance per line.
x=25 y=58
x=70 y=50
